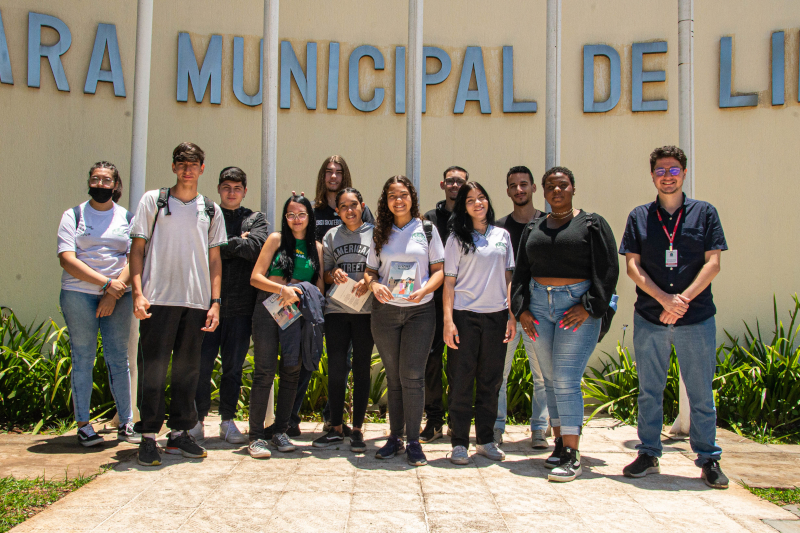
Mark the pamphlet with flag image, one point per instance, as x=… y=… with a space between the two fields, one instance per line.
x=284 y=316
x=401 y=278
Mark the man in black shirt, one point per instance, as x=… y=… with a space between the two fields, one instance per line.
x=520 y=188
x=334 y=175
x=672 y=249
x=247 y=231
x=453 y=178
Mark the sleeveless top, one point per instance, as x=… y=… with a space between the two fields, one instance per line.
x=303 y=270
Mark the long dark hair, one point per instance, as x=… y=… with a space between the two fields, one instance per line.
x=385 y=218
x=347 y=181
x=286 y=250
x=460 y=223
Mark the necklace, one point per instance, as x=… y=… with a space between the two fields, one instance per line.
x=563 y=214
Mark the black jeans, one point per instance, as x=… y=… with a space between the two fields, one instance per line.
x=341 y=330
x=231 y=340
x=170 y=332
x=403 y=335
x=265 y=357
x=480 y=358
x=434 y=408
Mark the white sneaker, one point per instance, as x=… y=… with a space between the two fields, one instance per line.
x=258 y=449
x=498 y=436
x=459 y=456
x=230 y=433
x=198 y=431
x=538 y=440
x=491 y=451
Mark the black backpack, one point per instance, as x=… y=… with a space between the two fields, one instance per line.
x=427 y=227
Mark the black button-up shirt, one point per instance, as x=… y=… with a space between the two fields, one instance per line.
x=700 y=231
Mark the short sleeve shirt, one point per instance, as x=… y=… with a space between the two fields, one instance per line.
x=176 y=270
x=408 y=244
x=698 y=232
x=101 y=240
x=480 y=275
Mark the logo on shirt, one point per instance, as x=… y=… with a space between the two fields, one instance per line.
x=360 y=249
x=418 y=237
x=502 y=245
x=120 y=232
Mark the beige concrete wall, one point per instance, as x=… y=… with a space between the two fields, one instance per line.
x=745 y=158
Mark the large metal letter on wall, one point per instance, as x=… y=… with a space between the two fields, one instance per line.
x=473 y=60
x=509 y=104
x=210 y=73
x=36 y=50
x=615 y=79
x=5 y=60
x=306 y=81
x=726 y=97
x=437 y=77
x=639 y=77
x=353 y=87
x=106 y=37
x=778 y=68
x=400 y=79
x=238 y=73
x=333 y=76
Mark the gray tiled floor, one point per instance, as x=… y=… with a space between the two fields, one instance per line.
x=334 y=490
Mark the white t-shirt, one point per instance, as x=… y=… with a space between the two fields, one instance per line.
x=480 y=275
x=102 y=241
x=176 y=271
x=408 y=245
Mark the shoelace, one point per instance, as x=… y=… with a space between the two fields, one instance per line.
x=283 y=439
x=259 y=445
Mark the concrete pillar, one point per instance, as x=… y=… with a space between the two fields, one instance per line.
x=141 y=101
x=269 y=113
x=552 y=152
x=416 y=67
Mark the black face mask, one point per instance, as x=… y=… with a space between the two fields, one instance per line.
x=100 y=194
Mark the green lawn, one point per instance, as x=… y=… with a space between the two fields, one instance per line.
x=777 y=496
x=20 y=499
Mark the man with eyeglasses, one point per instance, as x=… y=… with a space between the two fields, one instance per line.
x=453 y=178
x=672 y=249
x=333 y=176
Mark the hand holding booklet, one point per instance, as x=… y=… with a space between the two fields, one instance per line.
x=401 y=278
x=284 y=316
x=345 y=294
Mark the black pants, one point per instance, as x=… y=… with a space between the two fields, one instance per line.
x=434 y=408
x=340 y=330
x=480 y=358
x=265 y=357
x=230 y=340
x=170 y=331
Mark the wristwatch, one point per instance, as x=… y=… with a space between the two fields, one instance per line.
x=216 y=301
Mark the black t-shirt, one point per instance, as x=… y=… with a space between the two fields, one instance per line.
x=515 y=228
x=563 y=252
x=328 y=218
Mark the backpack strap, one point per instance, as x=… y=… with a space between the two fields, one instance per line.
x=128 y=217
x=77 y=212
x=210 y=210
x=427 y=227
x=161 y=203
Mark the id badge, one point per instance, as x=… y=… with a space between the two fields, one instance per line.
x=672 y=258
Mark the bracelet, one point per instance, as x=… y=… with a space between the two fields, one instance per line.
x=370 y=283
x=104 y=287
x=281 y=291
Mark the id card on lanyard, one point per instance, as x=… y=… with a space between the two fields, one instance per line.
x=672 y=255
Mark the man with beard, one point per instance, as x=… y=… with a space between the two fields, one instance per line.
x=520 y=188
x=454 y=178
x=334 y=175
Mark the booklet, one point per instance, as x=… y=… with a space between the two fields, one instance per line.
x=284 y=316
x=344 y=294
x=401 y=278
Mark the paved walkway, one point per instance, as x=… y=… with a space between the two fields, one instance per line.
x=334 y=490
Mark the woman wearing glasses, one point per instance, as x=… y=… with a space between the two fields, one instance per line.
x=288 y=257
x=93 y=248
x=567 y=270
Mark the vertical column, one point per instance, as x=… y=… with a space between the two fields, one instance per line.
x=416 y=67
x=269 y=112
x=141 y=101
x=552 y=129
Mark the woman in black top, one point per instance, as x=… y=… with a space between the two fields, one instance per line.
x=567 y=270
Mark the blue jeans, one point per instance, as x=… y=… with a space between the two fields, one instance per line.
x=695 y=346
x=79 y=311
x=539 y=396
x=563 y=354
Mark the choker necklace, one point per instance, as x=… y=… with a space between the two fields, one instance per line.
x=563 y=214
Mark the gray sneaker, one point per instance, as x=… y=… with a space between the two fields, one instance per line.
x=230 y=433
x=491 y=451
x=459 y=456
x=538 y=440
x=258 y=449
x=282 y=442
x=198 y=431
x=498 y=436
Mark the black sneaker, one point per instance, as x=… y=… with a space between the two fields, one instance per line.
x=331 y=438
x=713 y=476
x=292 y=431
x=569 y=468
x=87 y=436
x=431 y=432
x=643 y=465
x=393 y=446
x=357 y=444
x=149 y=455
x=185 y=445
x=127 y=434
x=555 y=458
x=326 y=427
x=415 y=455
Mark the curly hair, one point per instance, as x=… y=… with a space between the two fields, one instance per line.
x=667 y=151
x=385 y=218
x=117 y=194
x=286 y=251
x=559 y=170
x=320 y=199
x=460 y=223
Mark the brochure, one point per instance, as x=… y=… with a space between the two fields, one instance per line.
x=344 y=294
x=401 y=278
x=284 y=316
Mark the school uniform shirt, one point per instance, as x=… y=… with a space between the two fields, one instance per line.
x=176 y=271
x=480 y=275
x=408 y=245
x=101 y=240
x=348 y=250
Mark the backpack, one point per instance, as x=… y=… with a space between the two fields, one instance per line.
x=77 y=212
x=163 y=202
x=427 y=227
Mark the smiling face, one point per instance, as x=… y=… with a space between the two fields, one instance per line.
x=297 y=218
x=350 y=209
x=558 y=191
x=188 y=171
x=333 y=177
x=477 y=206
x=520 y=188
x=399 y=200
x=231 y=194
x=452 y=183
x=668 y=184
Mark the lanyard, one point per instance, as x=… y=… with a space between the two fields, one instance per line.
x=674 y=230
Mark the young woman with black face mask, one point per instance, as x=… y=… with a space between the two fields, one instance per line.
x=93 y=248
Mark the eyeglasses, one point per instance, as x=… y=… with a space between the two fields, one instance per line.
x=104 y=181
x=661 y=172
x=299 y=216
x=452 y=181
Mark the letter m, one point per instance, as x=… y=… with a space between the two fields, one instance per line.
x=200 y=78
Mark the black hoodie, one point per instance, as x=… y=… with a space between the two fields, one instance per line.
x=439 y=217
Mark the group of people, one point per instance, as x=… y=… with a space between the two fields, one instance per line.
x=203 y=278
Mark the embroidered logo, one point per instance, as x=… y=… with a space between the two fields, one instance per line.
x=502 y=245
x=418 y=237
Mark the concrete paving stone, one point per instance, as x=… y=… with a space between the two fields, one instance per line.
x=264 y=482
x=300 y=520
x=215 y=520
x=240 y=498
x=740 y=502
x=390 y=500
x=471 y=485
x=326 y=468
x=467 y=522
x=371 y=467
x=320 y=502
x=389 y=521
x=135 y=518
x=387 y=483
x=315 y=483
x=538 y=522
x=100 y=497
x=709 y=521
x=756 y=525
x=66 y=518
x=538 y=502
x=460 y=503
x=398 y=463
x=167 y=496
x=272 y=466
x=783 y=526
